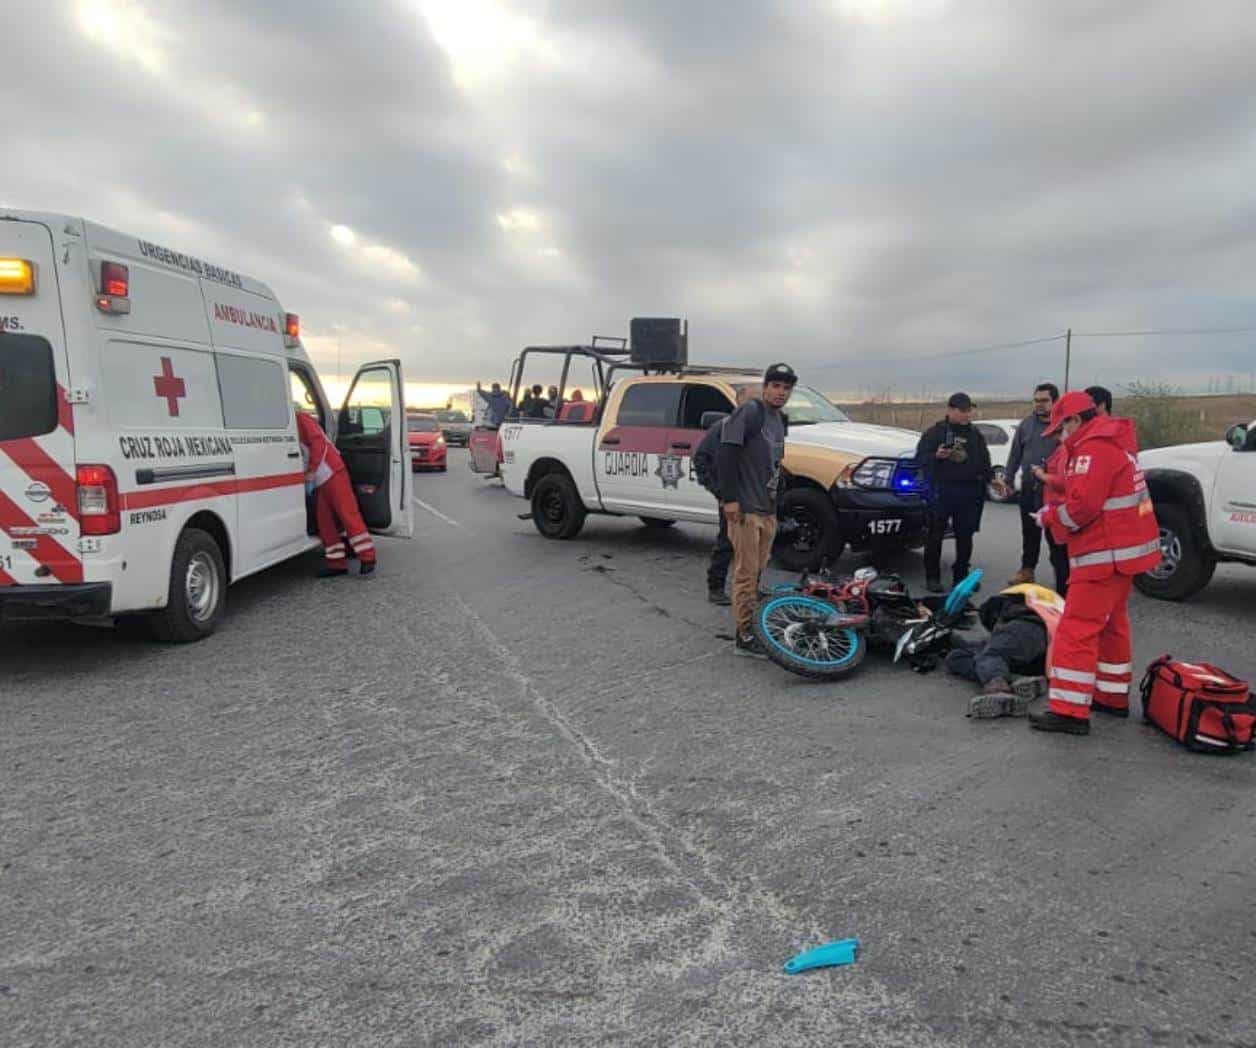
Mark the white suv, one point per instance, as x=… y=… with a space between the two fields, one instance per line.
x=1205 y=498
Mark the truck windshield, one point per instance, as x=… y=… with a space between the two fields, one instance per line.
x=807 y=407
x=28 y=387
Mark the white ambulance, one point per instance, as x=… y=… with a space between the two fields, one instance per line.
x=148 y=440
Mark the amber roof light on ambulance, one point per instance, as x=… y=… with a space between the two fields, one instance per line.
x=17 y=276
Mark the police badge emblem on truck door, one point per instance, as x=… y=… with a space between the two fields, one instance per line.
x=670 y=469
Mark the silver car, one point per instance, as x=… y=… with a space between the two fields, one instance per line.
x=456 y=427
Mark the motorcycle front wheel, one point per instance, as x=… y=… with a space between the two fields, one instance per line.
x=795 y=633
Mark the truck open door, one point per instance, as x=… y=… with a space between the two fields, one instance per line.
x=371 y=437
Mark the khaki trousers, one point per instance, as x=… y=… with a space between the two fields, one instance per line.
x=751 y=535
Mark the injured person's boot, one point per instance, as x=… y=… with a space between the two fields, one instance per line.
x=998 y=699
x=1030 y=688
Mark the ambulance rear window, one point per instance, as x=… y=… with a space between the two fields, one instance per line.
x=28 y=387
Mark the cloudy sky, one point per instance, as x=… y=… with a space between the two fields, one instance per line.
x=861 y=187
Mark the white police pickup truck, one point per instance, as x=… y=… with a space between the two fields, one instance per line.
x=626 y=448
x=1205 y=499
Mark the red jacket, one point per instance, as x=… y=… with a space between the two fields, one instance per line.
x=1106 y=514
x=323 y=461
x=1053 y=489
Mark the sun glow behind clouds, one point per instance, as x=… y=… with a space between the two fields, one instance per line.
x=379 y=258
x=890 y=12
x=483 y=39
x=124 y=28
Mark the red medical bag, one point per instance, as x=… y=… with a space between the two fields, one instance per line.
x=1203 y=707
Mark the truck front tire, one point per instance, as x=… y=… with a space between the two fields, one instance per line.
x=814 y=530
x=557 y=510
x=1185 y=567
x=198 y=591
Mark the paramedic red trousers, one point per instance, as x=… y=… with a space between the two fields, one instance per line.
x=338 y=512
x=1090 y=656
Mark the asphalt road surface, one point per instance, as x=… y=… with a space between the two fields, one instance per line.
x=519 y=792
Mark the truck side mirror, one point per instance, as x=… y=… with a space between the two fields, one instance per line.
x=710 y=418
x=1236 y=437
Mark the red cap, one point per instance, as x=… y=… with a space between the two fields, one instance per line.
x=1074 y=402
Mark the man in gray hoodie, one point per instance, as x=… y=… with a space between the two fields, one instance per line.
x=1029 y=449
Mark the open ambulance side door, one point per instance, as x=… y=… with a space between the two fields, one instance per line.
x=371 y=438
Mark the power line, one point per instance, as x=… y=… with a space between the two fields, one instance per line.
x=1033 y=342
x=952 y=353
x=1164 y=331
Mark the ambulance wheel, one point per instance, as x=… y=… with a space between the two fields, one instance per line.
x=198 y=591
x=557 y=510
x=1184 y=568
x=657 y=522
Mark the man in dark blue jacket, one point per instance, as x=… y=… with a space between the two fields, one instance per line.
x=956 y=463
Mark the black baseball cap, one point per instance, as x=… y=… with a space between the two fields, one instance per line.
x=962 y=401
x=780 y=373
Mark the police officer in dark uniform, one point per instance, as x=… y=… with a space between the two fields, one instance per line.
x=956 y=463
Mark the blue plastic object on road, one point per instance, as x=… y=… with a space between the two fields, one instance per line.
x=958 y=597
x=829 y=955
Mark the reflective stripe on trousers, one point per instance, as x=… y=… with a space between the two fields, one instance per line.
x=1075 y=698
x=1114 y=679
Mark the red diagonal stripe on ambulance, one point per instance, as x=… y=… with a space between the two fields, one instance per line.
x=6 y=579
x=37 y=464
x=65 y=410
x=55 y=557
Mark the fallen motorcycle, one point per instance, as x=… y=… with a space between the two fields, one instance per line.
x=821 y=626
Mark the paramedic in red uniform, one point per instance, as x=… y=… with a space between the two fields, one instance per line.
x=336 y=508
x=1105 y=516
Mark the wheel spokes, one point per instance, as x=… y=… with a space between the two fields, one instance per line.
x=802 y=628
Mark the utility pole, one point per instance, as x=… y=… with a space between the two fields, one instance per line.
x=1068 y=355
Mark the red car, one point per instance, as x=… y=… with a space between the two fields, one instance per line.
x=427 y=446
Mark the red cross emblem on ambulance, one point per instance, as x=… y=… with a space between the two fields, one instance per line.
x=169 y=386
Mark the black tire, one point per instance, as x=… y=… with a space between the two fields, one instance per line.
x=814 y=532
x=195 y=604
x=657 y=522
x=1185 y=567
x=557 y=510
x=846 y=645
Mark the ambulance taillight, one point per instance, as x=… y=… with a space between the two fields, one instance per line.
x=291 y=330
x=17 y=276
x=115 y=288
x=98 y=502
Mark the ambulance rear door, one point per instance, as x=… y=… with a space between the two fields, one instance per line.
x=371 y=438
x=39 y=513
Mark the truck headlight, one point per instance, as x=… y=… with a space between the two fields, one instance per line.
x=870 y=473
